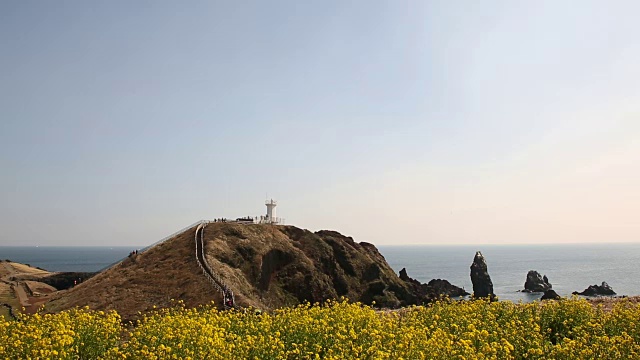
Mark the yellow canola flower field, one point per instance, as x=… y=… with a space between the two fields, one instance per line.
x=569 y=329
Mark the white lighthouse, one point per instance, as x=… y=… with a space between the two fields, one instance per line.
x=271 y=209
x=271 y=217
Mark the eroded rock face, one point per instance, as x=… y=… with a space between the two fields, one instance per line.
x=271 y=267
x=536 y=282
x=482 y=285
x=435 y=289
x=597 y=290
x=272 y=261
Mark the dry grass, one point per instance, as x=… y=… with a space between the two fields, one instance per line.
x=26 y=270
x=166 y=272
x=607 y=303
x=7 y=296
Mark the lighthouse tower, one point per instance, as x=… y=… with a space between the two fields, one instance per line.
x=271 y=217
x=271 y=211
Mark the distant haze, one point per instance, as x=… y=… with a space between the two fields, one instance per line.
x=393 y=122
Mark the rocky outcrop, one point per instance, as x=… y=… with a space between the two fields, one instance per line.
x=482 y=285
x=597 y=290
x=405 y=277
x=291 y=265
x=440 y=287
x=434 y=289
x=66 y=280
x=550 y=295
x=536 y=282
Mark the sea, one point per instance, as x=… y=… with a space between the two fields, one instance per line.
x=66 y=258
x=569 y=267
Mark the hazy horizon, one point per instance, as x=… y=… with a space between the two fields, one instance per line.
x=380 y=246
x=391 y=122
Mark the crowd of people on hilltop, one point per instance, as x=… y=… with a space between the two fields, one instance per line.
x=241 y=219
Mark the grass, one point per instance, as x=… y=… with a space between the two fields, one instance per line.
x=7 y=296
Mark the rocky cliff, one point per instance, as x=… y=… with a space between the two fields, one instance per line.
x=272 y=266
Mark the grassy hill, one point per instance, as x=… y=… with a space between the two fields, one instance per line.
x=137 y=284
x=266 y=266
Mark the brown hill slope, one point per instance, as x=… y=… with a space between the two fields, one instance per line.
x=153 y=278
x=266 y=266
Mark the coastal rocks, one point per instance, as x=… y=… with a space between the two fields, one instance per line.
x=550 y=295
x=482 y=285
x=536 y=282
x=597 y=290
x=433 y=290
x=444 y=287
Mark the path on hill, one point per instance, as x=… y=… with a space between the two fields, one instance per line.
x=227 y=294
x=15 y=292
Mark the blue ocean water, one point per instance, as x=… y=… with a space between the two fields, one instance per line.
x=569 y=267
x=80 y=259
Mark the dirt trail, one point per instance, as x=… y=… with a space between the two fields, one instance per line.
x=21 y=293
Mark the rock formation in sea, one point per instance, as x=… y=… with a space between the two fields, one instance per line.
x=550 y=295
x=536 y=282
x=597 y=290
x=434 y=289
x=482 y=285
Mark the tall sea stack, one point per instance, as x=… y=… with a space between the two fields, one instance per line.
x=482 y=285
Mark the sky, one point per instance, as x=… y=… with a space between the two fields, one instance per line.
x=394 y=122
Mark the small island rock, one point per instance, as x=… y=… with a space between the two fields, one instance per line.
x=597 y=290
x=536 y=282
x=550 y=295
x=482 y=285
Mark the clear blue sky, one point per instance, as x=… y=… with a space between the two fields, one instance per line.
x=395 y=122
